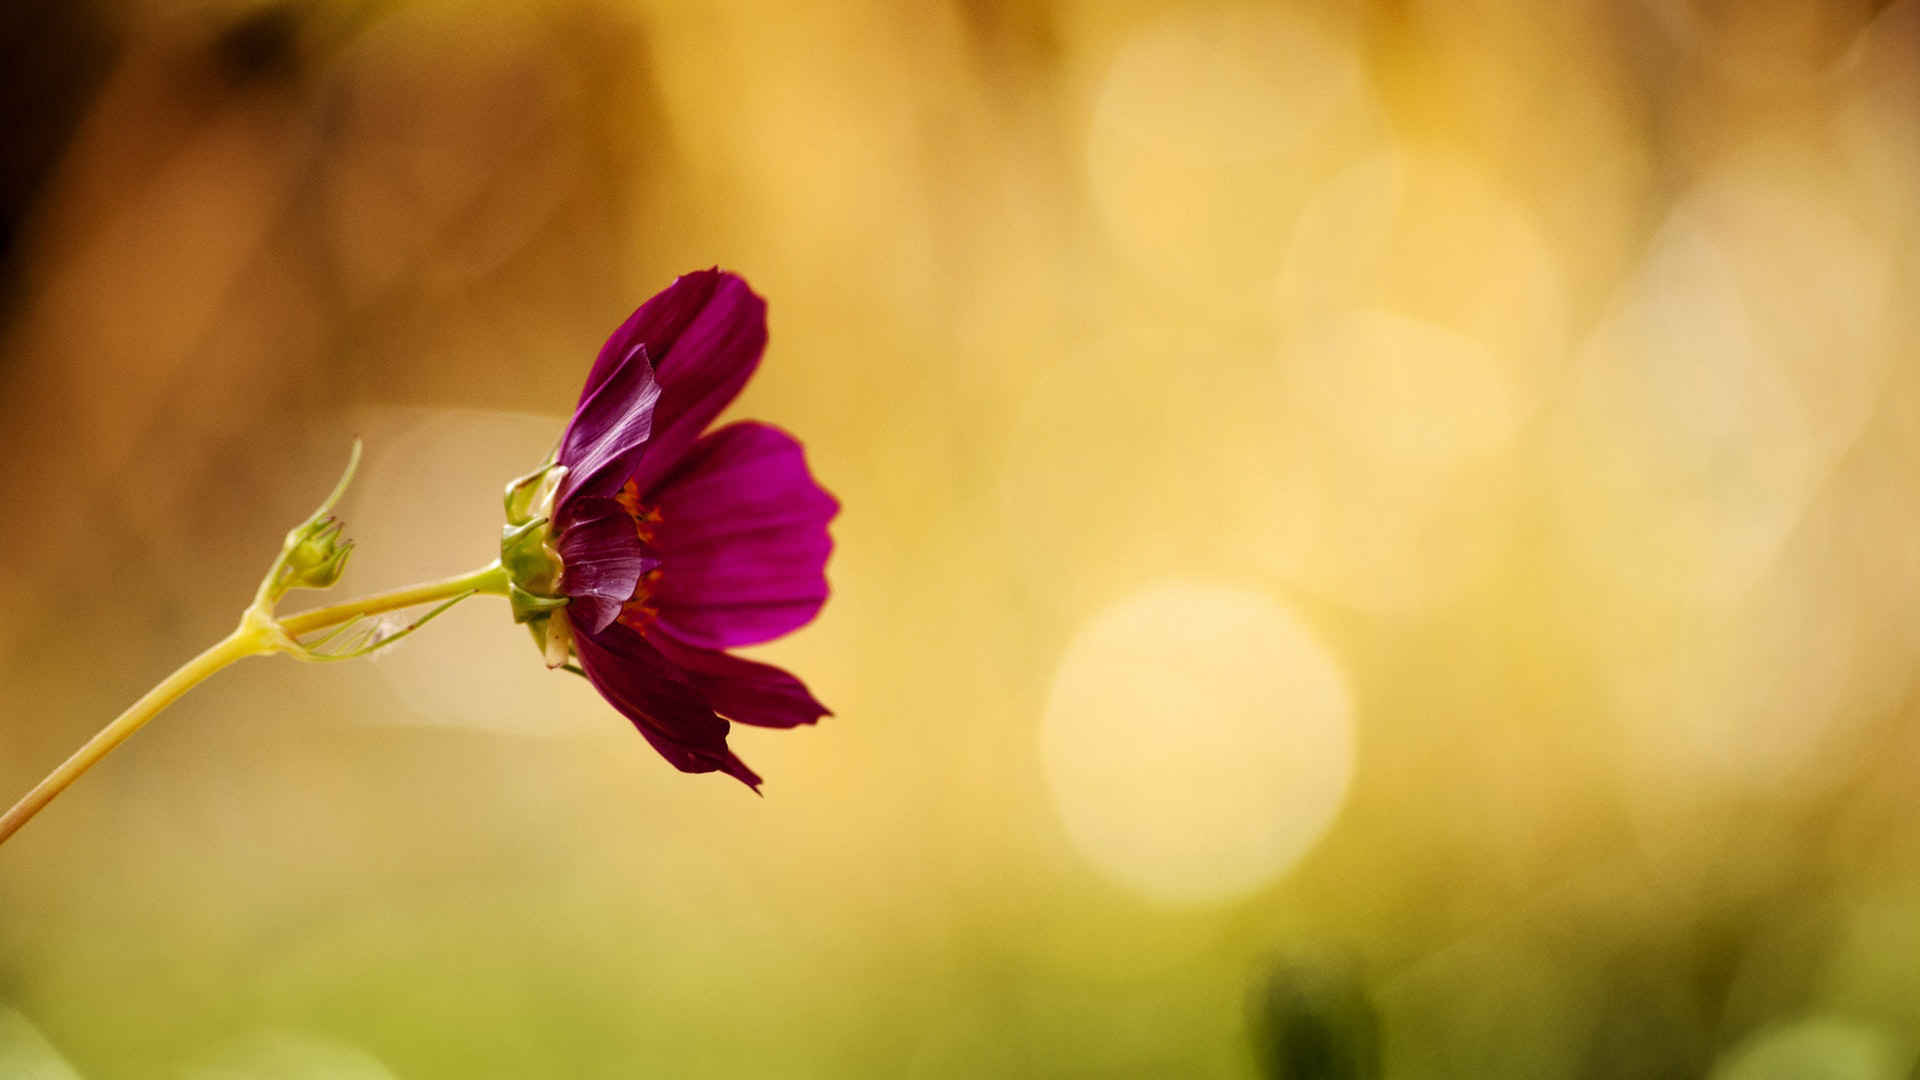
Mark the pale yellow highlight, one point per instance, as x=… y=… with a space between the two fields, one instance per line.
x=1198 y=741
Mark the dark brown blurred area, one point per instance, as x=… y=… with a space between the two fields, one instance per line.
x=52 y=56
x=223 y=227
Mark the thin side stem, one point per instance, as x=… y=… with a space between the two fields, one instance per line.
x=489 y=580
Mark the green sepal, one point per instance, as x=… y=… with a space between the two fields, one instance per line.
x=528 y=606
x=528 y=558
x=533 y=567
x=531 y=496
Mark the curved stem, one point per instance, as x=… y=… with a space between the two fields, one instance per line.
x=243 y=642
x=255 y=635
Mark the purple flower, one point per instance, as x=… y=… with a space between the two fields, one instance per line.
x=673 y=546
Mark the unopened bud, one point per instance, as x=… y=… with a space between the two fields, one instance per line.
x=316 y=555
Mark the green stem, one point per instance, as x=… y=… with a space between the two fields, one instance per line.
x=255 y=635
x=490 y=580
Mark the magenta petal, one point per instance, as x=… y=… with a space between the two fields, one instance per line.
x=609 y=429
x=742 y=540
x=743 y=690
x=603 y=559
x=660 y=701
x=654 y=325
x=702 y=370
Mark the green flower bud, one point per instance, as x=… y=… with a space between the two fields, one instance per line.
x=313 y=555
x=316 y=555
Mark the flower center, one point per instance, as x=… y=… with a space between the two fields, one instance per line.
x=640 y=609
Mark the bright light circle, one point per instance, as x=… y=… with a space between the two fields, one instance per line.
x=1198 y=741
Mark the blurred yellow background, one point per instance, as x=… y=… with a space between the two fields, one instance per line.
x=1382 y=530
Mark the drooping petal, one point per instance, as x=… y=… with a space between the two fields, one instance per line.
x=742 y=540
x=602 y=557
x=609 y=430
x=660 y=701
x=743 y=690
x=701 y=369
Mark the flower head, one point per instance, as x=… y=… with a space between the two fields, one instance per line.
x=646 y=549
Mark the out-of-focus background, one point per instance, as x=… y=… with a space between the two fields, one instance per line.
x=1379 y=538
